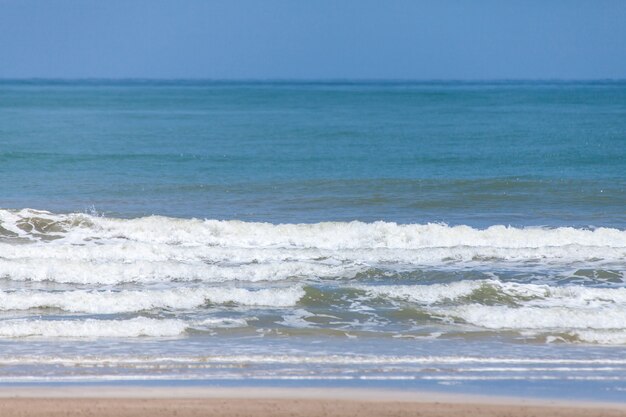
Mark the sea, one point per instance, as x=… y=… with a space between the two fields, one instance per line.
x=454 y=236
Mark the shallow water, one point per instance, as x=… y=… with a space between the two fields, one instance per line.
x=452 y=233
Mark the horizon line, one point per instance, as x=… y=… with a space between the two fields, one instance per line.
x=307 y=80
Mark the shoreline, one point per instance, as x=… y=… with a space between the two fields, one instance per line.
x=141 y=401
x=373 y=394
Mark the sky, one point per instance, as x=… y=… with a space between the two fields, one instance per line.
x=321 y=39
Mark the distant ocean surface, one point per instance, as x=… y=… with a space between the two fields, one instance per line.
x=453 y=234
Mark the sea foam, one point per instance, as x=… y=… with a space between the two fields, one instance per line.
x=179 y=269
x=75 y=228
x=124 y=301
x=81 y=248
x=92 y=328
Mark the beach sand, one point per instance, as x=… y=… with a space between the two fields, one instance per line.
x=227 y=402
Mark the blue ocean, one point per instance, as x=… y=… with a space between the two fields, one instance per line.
x=449 y=235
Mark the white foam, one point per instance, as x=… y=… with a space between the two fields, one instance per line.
x=339 y=359
x=541 y=295
x=77 y=271
x=82 y=229
x=553 y=318
x=602 y=337
x=91 y=328
x=111 y=302
x=123 y=251
x=594 y=315
x=573 y=296
x=425 y=294
x=222 y=322
x=352 y=235
x=96 y=250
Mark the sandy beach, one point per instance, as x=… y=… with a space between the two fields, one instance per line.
x=227 y=402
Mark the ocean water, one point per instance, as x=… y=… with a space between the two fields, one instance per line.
x=451 y=234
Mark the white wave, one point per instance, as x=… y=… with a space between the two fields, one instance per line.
x=81 y=228
x=425 y=294
x=97 y=250
x=91 y=328
x=541 y=295
x=594 y=315
x=128 y=252
x=338 y=359
x=222 y=322
x=572 y=296
x=553 y=318
x=76 y=271
x=111 y=302
x=352 y=235
x=602 y=337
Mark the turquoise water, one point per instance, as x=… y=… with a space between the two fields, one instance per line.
x=477 y=154
x=441 y=234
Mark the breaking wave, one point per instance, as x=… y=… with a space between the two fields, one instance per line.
x=35 y=225
x=182 y=271
x=92 y=328
x=127 y=301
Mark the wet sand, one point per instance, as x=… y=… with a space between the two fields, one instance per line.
x=231 y=402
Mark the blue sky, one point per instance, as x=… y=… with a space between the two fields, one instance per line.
x=322 y=39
